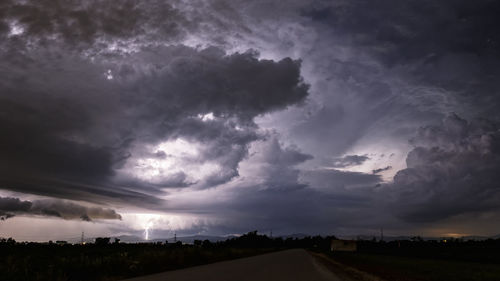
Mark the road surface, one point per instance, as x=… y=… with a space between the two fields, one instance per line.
x=290 y=265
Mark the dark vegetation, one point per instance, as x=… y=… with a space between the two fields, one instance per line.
x=485 y=251
x=419 y=260
x=111 y=260
x=405 y=260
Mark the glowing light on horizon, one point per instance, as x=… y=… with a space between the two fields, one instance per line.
x=455 y=235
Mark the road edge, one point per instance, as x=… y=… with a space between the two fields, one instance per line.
x=345 y=272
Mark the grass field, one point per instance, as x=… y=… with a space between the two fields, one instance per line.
x=397 y=268
x=114 y=262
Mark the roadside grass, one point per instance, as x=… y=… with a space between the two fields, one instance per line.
x=112 y=262
x=397 y=268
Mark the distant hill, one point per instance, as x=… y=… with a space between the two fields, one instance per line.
x=395 y=238
x=190 y=239
x=295 y=235
x=183 y=239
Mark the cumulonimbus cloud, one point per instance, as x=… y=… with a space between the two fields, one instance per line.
x=452 y=170
x=83 y=130
x=95 y=113
x=10 y=207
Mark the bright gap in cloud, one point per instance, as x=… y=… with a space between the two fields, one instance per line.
x=206 y=117
x=109 y=74
x=15 y=29
x=384 y=160
x=175 y=162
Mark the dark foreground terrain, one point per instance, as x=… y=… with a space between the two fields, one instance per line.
x=393 y=268
x=286 y=265
x=454 y=260
x=114 y=261
x=404 y=260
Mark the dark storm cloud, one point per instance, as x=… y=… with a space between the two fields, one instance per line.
x=68 y=130
x=277 y=195
x=275 y=154
x=353 y=105
x=10 y=207
x=349 y=161
x=332 y=179
x=451 y=44
x=381 y=69
x=88 y=88
x=82 y=24
x=452 y=170
x=71 y=211
x=317 y=209
x=449 y=26
x=234 y=89
x=277 y=165
x=376 y=171
x=226 y=85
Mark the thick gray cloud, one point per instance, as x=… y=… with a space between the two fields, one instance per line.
x=275 y=194
x=399 y=26
x=451 y=45
x=67 y=134
x=452 y=170
x=277 y=166
x=95 y=26
x=380 y=70
x=89 y=86
x=349 y=161
x=326 y=179
x=451 y=173
x=10 y=207
x=379 y=170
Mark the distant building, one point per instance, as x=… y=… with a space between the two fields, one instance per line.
x=338 y=245
x=60 y=242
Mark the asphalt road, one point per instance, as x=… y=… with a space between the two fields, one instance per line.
x=290 y=265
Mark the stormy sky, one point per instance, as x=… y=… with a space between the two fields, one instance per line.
x=222 y=117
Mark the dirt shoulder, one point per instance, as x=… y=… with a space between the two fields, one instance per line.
x=343 y=271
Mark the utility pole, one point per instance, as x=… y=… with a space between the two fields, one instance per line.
x=81 y=242
x=175 y=237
